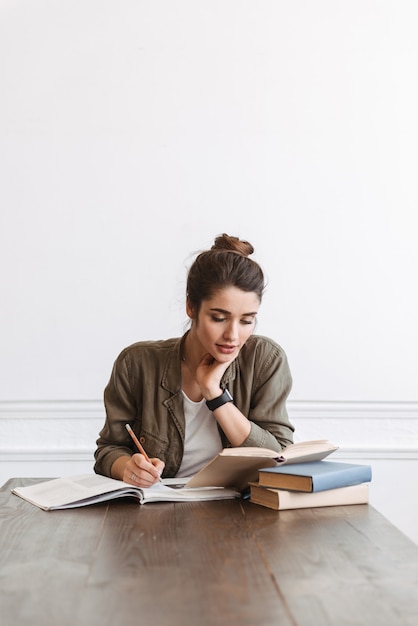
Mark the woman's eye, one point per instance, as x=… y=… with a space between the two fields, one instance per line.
x=218 y=319
x=247 y=321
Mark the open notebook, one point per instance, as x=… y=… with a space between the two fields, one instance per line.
x=77 y=491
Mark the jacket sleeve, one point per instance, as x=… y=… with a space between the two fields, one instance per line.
x=121 y=408
x=271 y=385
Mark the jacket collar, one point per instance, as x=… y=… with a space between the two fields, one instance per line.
x=171 y=378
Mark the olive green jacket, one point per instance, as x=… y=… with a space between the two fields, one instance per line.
x=145 y=391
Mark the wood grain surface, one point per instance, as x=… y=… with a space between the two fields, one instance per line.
x=205 y=563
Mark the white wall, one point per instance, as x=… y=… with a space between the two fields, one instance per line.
x=132 y=133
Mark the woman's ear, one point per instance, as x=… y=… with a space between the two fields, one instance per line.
x=189 y=309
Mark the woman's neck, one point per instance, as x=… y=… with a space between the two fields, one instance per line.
x=192 y=352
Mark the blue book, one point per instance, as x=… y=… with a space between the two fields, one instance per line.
x=315 y=476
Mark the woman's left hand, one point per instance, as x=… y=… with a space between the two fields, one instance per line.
x=209 y=374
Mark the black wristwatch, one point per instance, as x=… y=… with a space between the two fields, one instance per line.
x=219 y=401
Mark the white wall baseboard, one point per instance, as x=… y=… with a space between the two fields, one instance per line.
x=49 y=429
x=45 y=456
x=51 y=409
x=378 y=429
x=54 y=430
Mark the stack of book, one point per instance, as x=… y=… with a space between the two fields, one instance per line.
x=312 y=484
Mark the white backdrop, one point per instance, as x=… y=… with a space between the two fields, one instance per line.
x=132 y=133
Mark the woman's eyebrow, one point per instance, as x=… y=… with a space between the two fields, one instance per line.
x=225 y=312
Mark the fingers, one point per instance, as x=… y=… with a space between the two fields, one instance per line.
x=141 y=473
x=159 y=465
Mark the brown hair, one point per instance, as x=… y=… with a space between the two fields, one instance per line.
x=226 y=264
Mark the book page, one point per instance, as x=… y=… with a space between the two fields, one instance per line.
x=60 y=491
x=309 y=450
x=249 y=451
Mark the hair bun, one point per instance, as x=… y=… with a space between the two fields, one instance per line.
x=233 y=244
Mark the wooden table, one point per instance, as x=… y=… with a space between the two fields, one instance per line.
x=205 y=564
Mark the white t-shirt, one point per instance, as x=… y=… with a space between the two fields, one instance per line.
x=202 y=440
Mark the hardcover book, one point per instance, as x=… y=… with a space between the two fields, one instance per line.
x=280 y=499
x=314 y=476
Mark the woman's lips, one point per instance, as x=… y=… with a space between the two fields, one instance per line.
x=226 y=349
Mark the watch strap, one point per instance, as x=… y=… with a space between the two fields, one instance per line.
x=219 y=401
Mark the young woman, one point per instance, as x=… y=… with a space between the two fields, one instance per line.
x=219 y=385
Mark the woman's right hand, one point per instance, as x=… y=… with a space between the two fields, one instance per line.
x=136 y=470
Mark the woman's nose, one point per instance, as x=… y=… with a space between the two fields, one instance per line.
x=231 y=331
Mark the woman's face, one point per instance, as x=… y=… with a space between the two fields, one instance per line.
x=225 y=322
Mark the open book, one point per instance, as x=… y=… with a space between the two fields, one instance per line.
x=76 y=491
x=237 y=467
x=226 y=476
